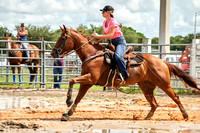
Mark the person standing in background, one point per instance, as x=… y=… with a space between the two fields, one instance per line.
x=59 y=63
x=185 y=59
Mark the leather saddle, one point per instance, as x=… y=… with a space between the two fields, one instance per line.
x=130 y=58
x=29 y=47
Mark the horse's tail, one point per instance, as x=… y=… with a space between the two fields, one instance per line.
x=177 y=72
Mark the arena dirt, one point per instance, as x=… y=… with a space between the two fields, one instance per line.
x=41 y=110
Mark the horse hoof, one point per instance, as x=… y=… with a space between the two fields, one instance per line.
x=65 y=117
x=69 y=102
x=147 y=118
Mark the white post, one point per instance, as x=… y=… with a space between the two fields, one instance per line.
x=194 y=61
x=164 y=36
x=147 y=48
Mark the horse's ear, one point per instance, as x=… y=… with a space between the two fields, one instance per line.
x=65 y=28
x=81 y=31
x=5 y=34
x=10 y=34
x=61 y=28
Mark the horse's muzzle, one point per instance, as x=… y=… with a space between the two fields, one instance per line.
x=54 y=53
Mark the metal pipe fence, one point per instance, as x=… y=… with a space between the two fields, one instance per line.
x=72 y=66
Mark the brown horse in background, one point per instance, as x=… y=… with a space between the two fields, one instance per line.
x=18 y=53
x=151 y=73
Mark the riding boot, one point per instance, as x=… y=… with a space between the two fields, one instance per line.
x=27 y=54
x=121 y=79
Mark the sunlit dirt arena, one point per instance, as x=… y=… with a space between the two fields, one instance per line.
x=40 y=110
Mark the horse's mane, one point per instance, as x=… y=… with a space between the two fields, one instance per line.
x=93 y=42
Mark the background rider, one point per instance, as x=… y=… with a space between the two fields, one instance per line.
x=22 y=36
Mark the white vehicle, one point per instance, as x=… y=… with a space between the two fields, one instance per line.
x=173 y=59
x=3 y=62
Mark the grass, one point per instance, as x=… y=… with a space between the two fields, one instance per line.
x=26 y=78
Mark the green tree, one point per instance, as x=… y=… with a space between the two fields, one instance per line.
x=81 y=27
x=154 y=40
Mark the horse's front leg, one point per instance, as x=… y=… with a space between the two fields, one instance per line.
x=86 y=83
x=85 y=79
x=82 y=91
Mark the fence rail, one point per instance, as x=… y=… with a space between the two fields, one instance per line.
x=72 y=66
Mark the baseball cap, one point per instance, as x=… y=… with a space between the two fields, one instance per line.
x=22 y=24
x=107 y=8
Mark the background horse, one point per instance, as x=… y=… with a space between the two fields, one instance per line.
x=18 y=53
x=151 y=73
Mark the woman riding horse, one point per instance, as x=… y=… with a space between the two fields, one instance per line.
x=151 y=73
x=111 y=30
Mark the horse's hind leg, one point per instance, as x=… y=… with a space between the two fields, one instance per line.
x=148 y=88
x=170 y=92
x=19 y=72
x=14 y=78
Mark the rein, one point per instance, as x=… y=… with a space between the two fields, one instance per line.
x=92 y=57
x=68 y=53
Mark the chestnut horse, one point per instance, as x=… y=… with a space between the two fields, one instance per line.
x=151 y=73
x=18 y=53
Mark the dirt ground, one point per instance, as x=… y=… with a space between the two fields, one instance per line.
x=40 y=110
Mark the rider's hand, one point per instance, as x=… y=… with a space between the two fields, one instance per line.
x=95 y=35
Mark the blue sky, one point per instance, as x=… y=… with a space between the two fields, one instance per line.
x=141 y=15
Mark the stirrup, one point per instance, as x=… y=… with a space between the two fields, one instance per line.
x=120 y=80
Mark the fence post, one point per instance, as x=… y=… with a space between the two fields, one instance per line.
x=7 y=62
x=42 y=84
x=2 y=63
x=147 y=49
x=193 y=59
x=44 y=63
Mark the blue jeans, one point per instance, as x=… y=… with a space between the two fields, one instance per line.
x=25 y=46
x=57 y=71
x=120 y=48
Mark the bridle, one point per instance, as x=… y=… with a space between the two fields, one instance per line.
x=59 y=49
